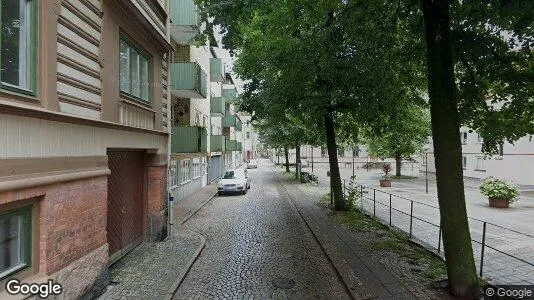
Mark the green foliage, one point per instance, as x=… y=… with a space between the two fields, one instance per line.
x=353 y=194
x=404 y=133
x=498 y=188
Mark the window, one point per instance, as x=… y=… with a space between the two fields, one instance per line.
x=197 y=118
x=248 y=135
x=501 y=148
x=173 y=169
x=15 y=241
x=481 y=164
x=464 y=162
x=134 y=73
x=18 y=45
x=341 y=152
x=184 y=171
x=463 y=137
x=197 y=168
x=323 y=151
x=356 y=152
x=479 y=138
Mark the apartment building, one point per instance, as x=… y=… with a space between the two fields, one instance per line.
x=83 y=137
x=515 y=162
x=201 y=148
x=250 y=138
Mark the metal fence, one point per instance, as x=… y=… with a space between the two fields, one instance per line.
x=502 y=255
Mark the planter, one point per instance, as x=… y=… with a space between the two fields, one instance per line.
x=385 y=183
x=499 y=202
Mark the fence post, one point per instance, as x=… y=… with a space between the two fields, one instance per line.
x=389 y=209
x=344 y=188
x=361 y=196
x=482 y=250
x=439 y=237
x=411 y=217
x=374 y=203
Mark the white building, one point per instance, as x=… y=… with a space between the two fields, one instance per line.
x=514 y=162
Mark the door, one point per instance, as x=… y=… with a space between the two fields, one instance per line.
x=215 y=168
x=125 y=201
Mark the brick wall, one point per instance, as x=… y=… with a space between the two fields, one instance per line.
x=157 y=205
x=72 y=222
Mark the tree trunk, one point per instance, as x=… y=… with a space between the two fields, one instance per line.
x=398 y=164
x=286 y=153
x=335 y=179
x=297 y=161
x=447 y=150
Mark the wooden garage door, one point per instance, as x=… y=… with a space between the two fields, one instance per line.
x=125 y=201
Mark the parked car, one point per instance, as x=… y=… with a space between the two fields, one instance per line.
x=234 y=181
x=252 y=165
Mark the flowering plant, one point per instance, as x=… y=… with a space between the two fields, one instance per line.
x=386 y=168
x=498 y=188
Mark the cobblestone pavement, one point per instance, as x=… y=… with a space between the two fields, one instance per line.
x=258 y=247
x=153 y=270
x=498 y=267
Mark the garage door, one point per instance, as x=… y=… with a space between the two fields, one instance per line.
x=125 y=201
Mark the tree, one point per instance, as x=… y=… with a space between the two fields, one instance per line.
x=404 y=134
x=447 y=150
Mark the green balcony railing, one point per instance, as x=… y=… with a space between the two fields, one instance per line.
x=189 y=139
x=229 y=95
x=231 y=145
x=239 y=146
x=216 y=69
x=217 y=107
x=217 y=143
x=238 y=125
x=183 y=13
x=229 y=121
x=188 y=80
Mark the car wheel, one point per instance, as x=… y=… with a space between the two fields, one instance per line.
x=244 y=191
x=219 y=193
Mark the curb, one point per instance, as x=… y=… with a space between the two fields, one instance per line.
x=197 y=209
x=172 y=290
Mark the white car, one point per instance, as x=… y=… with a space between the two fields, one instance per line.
x=234 y=181
x=252 y=165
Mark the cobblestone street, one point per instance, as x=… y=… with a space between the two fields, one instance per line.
x=258 y=247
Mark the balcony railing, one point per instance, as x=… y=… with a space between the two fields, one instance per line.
x=229 y=120
x=188 y=80
x=231 y=145
x=217 y=143
x=238 y=125
x=217 y=107
x=185 y=23
x=216 y=69
x=229 y=95
x=239 y=146
x=189 y=139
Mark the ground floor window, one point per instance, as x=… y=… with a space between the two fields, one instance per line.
x=15 y=241
x=197 y=168
x=185 y=172
x=464 y=162
x=481 y=163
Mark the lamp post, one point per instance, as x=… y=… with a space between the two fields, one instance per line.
x=353 y=152
x=312 y=157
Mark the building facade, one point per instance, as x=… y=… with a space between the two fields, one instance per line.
x=203 y=142
x=515 y=162
x=83 y=137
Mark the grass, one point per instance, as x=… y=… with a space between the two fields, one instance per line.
x=393 y=240
x=289 y=175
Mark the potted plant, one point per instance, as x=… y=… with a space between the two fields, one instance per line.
x=499 y=192
x=386 y=181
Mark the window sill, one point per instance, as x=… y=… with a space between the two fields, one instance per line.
x=480 y=170
x=137 y=103
x=21 y=97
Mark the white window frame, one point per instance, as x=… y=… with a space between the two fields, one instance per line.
x=464 y=162
x=480 y=164
x=142 y=58
x=185 y=171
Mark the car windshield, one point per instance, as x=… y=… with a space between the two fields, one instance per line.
x=239 y=174
x=228 y=175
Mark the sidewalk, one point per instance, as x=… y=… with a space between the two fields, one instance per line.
x=365 y=277
x=155 y=270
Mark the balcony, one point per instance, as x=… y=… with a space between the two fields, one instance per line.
x=217 y=107
x=189 y=139
x=185 y=23
x=216 y=70
x=239 y=146
x=231 y=145
x=218 y=143
x=188 y=80
x=229 y=95
x=229 y=120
